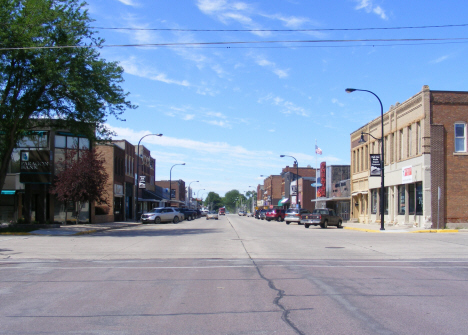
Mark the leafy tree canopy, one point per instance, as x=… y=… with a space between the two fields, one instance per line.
x=232 y=199
x=50 y=68
x=213 y=201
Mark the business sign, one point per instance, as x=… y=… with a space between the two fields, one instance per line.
x=35 y=167
x=407 y=175
x=375 y=167
x=322 y=190
x=142 y=182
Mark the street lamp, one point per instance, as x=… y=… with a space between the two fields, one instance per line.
x=382 y=163
x=138 y=172
x=190 y=192
x=254 y=200
x=297 y=178
x=170 y=181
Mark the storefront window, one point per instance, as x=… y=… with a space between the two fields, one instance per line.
x=411 y=199
x=419 y=199
x=401 y=200
x=374 y=201
x=387 y=195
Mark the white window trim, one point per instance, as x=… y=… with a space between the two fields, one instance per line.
x=455 y=137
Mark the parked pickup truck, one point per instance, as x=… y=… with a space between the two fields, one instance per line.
x=323 y=217
x=189 y=214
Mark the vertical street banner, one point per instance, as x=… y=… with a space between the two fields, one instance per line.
x=375 y=168
x=322 y=190
x=142 y=182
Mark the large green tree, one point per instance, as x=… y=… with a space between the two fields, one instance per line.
x=50 y=68
x=233 y=199
x=213 y=201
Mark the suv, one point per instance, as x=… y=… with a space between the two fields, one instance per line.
x=189 y=214
x=294 y=215
x=275 y=214
x=162 y=214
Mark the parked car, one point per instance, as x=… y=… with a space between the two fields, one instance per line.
x=250 y=214
x=189 y=214
x=162 y=214
x=241 y=213
x=262 y=214
x=212 y=215
x=204 y=212
x=323 y=217
x=294 y=215
x=275 y=214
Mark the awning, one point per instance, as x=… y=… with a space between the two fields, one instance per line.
x=283 y=201
x=150 y=196
x=332 y=199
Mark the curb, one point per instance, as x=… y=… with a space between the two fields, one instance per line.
x=403 y=231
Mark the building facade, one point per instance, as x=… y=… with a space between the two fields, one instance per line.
x=426 y=156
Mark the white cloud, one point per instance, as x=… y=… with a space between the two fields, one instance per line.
x=129 y=3
x=287 y=107
x=132 y=67
x=189 y=117
x=271 y=65
x=336 y=102
x=440 y=59
x=369 y=7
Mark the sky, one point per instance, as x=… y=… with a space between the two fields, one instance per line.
x=232 y=85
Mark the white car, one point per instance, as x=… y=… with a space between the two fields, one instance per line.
x=212 y=215
x=162 y=214
x=204 y=212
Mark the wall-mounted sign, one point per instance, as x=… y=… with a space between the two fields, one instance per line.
x=322 y=190
x=375 y=168
x=407 y=175
x=35 y=167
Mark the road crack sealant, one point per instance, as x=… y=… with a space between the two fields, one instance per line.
x=280 y=293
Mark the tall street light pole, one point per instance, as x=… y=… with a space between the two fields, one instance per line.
x=297 y=178
x=170 y=181
x=190 y=192
x=382 y=163
x=138 y=172
x=198 y=192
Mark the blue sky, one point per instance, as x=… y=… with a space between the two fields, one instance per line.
x=230 y=110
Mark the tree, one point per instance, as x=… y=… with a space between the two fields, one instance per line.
x=213 y=201
x=232 y=199
x=82 y=178
x=50 y=68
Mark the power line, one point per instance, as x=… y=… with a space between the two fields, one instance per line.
x=283 y=30
x=204 y=44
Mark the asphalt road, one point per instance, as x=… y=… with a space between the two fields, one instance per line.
x=236 y=275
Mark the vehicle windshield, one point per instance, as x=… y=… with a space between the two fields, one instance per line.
x=212 y=212
x=320 y=211
x=292 y=211
x=155 y=210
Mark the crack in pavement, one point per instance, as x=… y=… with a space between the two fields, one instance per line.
x=271 y=285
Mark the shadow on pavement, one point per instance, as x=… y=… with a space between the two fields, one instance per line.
x=159 y=230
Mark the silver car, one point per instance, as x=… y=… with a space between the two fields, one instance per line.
x=294 y=215
x=212 y=215
x=162 y=214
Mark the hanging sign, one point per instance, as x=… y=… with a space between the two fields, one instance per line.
x=375 y=169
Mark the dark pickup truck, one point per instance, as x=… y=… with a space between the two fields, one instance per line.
x=190 y=214
x=323 y=217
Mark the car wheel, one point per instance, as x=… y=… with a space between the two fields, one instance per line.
x=324 y=225
x=287 y=222
x=281 y=219
x=157 y=220
x=339 y=225
x=176 y=220
x=207 y=218
x=306 y=226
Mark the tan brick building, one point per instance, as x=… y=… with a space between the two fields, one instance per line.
x=426 y=148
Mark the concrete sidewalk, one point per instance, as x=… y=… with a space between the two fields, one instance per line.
x=375 y=228
x=82 y=229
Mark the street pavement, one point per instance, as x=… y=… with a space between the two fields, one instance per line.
x=66 y=230
x=235 y=275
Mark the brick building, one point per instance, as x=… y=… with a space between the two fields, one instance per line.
x=129 y=178
x=289 y=175
x=114 y=165
x=426 y=148
x=178 y=191
x=272 y=190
